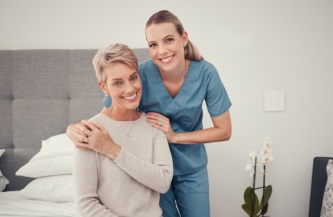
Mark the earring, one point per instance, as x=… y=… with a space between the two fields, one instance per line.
x=107 y=101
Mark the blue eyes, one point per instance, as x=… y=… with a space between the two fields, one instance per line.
x=120 y=83
x=134 y=78
x=168 y=41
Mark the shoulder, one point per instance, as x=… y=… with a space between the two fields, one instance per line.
x=97 y=118
x=102 y=119
x=146 y=67
x=146 y=64
x=143 y=123
x=148 y=127
x=203 y=68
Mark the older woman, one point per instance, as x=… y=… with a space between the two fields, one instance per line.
x=126 y=176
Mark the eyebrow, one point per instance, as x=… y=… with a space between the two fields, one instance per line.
x=119 y=79
x=167 y=36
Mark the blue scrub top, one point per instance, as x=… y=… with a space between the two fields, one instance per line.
x=202 y=82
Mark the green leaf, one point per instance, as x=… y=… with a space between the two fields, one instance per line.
x=247 y=209
x=268 y=193
x=256 y=204
x=267 y=196
x=249 y=196
x=265 y=209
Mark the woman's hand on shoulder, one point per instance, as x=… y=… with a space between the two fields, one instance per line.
x=162 y=123
x=98 y=139
x=76 y=133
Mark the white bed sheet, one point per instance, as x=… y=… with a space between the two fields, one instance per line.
x=12 y=204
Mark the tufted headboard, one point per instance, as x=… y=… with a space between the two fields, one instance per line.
x=41 y=92
x=318 y=185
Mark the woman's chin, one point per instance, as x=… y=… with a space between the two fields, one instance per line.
x=133 y=105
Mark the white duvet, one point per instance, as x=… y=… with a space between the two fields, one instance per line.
x=12 y=204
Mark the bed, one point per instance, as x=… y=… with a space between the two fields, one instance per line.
x=41 y=92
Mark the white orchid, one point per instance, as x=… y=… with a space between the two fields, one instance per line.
x=250 y=162
x=259 y=159
x=251 y=156
x=266 y=158
x=267 y=142
x=248 y=167
x=265 y=151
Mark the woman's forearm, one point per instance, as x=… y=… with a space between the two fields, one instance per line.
x=221 y=131
x=202 y=136
x=156 y=174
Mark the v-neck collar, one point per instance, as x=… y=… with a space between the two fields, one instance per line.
x=158 y=78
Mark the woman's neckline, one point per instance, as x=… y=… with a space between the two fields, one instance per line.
x=136 y=117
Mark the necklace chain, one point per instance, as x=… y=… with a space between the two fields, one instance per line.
x=129 y=130
x=123 y=126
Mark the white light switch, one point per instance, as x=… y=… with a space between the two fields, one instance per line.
x=274 y=101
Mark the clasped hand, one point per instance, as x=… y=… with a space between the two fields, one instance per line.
x=92 y=136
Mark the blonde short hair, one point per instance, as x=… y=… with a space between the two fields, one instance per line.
x=115 y=53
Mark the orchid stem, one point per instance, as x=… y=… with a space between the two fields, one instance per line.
x=254 y=185
x=263 y=190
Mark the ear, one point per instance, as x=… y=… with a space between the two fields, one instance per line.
x=185 y=38
x=102 y=86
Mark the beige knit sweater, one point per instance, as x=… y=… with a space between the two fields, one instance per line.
x=129 y=186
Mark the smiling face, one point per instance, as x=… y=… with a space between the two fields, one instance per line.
x=166 y=46
x=124 y=86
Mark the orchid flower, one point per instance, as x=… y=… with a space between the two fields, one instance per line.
x=263 y=157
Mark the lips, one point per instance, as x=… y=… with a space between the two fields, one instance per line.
x=167 y=60
x=130 y=97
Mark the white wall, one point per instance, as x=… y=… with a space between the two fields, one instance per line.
x=256 y=45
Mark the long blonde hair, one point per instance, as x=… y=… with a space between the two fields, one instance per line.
x=164 y=16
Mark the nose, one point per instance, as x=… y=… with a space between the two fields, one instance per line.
x=129 y=87
x=162 y=49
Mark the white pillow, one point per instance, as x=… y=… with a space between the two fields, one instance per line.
x=327 y=206
x=51 y=188
x=3 y=180
x=54 y=158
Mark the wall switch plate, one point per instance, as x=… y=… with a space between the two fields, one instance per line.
x=274 y=101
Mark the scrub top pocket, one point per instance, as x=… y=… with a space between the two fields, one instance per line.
x=189 y=118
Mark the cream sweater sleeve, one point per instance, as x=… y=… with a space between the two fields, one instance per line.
x=85 y=182
x=156 y=175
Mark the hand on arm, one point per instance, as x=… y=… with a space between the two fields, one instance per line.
x=162 y=123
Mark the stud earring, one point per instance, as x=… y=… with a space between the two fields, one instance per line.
x=107 y=101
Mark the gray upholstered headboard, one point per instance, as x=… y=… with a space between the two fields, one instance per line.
x=41 y=92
